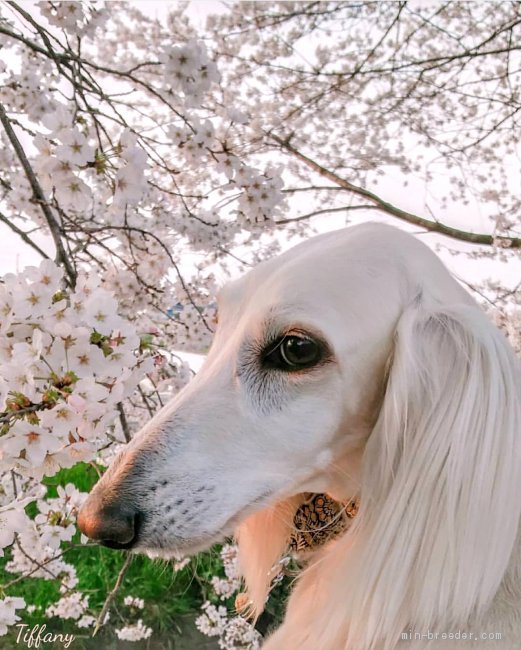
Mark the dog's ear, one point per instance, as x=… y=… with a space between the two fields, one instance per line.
x=262 y=539
x=441 y=485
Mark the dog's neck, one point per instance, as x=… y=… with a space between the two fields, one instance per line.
x=503 y=615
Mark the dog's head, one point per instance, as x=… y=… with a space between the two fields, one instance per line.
x=291 y=382
x=354 y=336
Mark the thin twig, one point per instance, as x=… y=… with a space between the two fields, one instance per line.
x=112 y=594
x=315 y=213
x=23 y=235
x=7 y=416
x=124 y=422
x=6 y=586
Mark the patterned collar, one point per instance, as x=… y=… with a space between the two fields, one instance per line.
x=318 y=520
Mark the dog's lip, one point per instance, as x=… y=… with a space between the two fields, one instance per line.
x=198 y=544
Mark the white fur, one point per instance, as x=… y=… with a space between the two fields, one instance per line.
x=419 y=413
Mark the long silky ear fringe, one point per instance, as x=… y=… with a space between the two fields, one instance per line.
x=445 y=455
x=262 y=539
x=440 y=508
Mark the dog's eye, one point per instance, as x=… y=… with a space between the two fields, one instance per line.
x=293 y=353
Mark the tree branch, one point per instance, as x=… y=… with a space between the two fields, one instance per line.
x=309 y=215
x=54 y=226
x=112 y=594
x=23 y=235
x=384 y=206
x=124 y=423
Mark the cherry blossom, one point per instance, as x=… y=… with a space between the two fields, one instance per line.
x=12 y=519
x=189 y=69
x=55 y=355
x=131 y=601
x=8 y=616
x=74 y=148
x=69 y=606
x=134 y=632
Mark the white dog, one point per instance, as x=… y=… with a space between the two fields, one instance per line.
x=352 y=364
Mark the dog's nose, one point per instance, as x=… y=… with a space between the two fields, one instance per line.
x=115 y=526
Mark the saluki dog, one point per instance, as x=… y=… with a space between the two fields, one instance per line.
x=352 y=365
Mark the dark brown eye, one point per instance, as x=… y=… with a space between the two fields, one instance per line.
x=293 y=353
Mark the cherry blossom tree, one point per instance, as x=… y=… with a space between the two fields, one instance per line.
x=145 y=159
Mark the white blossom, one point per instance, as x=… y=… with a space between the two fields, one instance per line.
x=12 y=520
x=132 y=601
x=75 y=148
x=169 y=155
x=71 y=606
x=8 y=616
x=134 y=632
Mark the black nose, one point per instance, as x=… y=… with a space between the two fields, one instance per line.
x=113 y=526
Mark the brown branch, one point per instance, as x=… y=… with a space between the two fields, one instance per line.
x=23 y=235
x=310 y=188
x=54 y=226
x=24 y=576
x=123 y=421
x=384 y=206
x=7 y=416
x=39 y=565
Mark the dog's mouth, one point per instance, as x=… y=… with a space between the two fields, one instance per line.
x=174 y=547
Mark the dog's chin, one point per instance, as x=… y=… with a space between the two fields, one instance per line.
x=178 y=551
x=176 y=548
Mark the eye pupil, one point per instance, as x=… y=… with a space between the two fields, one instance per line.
x=297 y=351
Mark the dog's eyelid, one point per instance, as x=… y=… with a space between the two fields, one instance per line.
x=271 y=348
x=303 y=333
